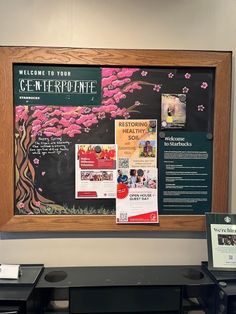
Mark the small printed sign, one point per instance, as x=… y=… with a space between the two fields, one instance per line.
x=56 y=85
x=95 y=171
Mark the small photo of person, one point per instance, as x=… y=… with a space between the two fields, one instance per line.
x=122 y=177
x=147 y=149
x=96 y=176
x=139 y=178
x=227 y=239
x=107 y=176
x=173 y=111
x=86 y=175
x=132 y=178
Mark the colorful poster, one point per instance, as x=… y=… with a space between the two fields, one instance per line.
x=137 y=171
x=173 y=111
x=137 y=143
x=95 y=171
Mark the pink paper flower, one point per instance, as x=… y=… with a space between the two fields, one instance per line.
x=200 y=108
x=37 y=204
x=101 y=115
x=36 y=161
x=21 y=205
x=204 y=85
x=170 y=75
x=87 y=110
x=126 y=115
x=187 y=76
x=185 y=90
x=144 y=73
x=110 y=87
x=157 y=87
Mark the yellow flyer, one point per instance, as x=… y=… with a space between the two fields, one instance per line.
x=136 y=200
x=137 y=143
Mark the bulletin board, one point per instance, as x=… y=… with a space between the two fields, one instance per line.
x=113 y=140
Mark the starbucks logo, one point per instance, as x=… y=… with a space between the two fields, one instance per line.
x=227 y=219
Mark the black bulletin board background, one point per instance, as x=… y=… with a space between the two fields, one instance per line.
x=59 y=183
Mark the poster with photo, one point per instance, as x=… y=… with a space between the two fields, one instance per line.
x=137 y=171
x=137 y=143
x=221 y=241
x=95 y=171
x=173 y=111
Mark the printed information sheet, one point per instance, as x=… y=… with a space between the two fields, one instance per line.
x=95 y=171
x=137 y=171
x=185 y=172
x=223 y=239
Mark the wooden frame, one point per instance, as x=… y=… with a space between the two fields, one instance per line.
x=220 y=61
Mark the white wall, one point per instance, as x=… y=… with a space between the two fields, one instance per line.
x=158 y=24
